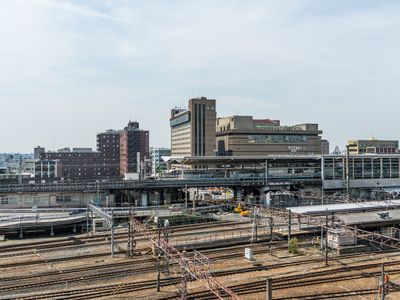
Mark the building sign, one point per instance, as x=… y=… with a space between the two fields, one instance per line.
x=180 y=120
x=295 y=149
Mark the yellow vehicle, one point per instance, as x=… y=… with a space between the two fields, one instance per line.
x=240 y=210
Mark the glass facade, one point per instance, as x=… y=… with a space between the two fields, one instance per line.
x=361 y=168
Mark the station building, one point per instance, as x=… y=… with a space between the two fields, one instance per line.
x=331 y=172
x=244 y=136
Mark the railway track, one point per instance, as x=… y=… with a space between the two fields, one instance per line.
x=120 y=269
x=29 y=286
x=234 y=252
x=124 y=269
x=298 y=281
x=280 y=283
x=82 y=242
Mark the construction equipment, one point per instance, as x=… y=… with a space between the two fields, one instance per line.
x=241 y=210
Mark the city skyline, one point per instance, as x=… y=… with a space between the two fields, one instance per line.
x=70 y=69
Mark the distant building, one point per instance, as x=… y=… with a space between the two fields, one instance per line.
x=108 y=145
x=158 y=164
x=45 y=169
x=38 y=151
x=193 y=129
x=76 y=164
x=373 y=145
x=134 y=149
x=337 y=151
x=324 y=147
x=28 y=166
x=245 y=136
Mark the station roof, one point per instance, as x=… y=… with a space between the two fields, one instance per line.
x=262 y=158
x=256 y=158
x=371 y=218
x=345 y=207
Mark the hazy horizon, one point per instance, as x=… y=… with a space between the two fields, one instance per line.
x=70 y=69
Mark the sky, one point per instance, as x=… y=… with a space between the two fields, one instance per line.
x=72 y=68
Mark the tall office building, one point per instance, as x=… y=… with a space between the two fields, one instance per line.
x=134 y=149
x=193 y=129
x=108 y=147
x=245 y=136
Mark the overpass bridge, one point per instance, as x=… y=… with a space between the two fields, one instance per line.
x=138 y=192
x=139 y=185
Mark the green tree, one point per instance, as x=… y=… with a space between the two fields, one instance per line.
x=293 y=246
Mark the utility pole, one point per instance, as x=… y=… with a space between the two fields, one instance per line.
x=131 y=234
x=271 y=228
x=348 y=170
x=194 y=203
x=128 y=247
x=322 y=239
x=254 y=235
x=87 y=220
x=158 y=257
x=166 y=238
x=112 y=233
x=382 y=287
x=289 y=228
x=186 y=198
x=326 y=241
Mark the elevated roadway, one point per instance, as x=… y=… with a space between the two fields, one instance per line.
x=93 y=186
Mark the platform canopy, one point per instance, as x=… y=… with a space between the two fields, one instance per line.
x=345 y=207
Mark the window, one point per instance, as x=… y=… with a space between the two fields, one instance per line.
x=63 y=198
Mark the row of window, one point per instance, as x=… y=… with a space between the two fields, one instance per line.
x=280 y=138
x=63 y=199
x=8 y=200
x=362 y=168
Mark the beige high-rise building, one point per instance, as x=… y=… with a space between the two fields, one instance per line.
x=373 y=145
x=193 y=129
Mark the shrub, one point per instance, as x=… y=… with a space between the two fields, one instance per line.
x=293 y=246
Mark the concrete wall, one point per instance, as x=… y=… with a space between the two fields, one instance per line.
x=362 y=183
x=45 y=200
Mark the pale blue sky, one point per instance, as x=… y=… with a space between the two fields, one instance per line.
x=69 y=69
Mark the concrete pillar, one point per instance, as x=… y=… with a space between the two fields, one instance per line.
x=51 y=230
x=161 y=200
x=74 y=229
x=21 y=235
x=238 y=194
x=145 y=199
x=111 y=200
x=268 y=295
x=168 y=194
x=263 y=195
